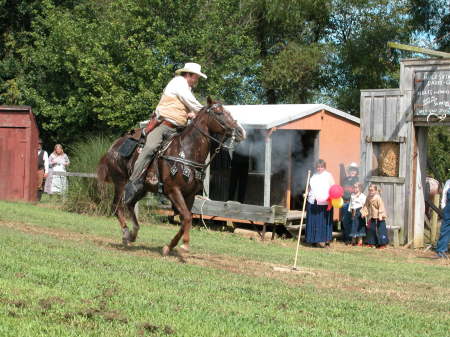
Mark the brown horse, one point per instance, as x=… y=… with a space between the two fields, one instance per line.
x=178 y=168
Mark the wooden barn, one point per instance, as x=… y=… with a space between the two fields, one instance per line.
x=394 y=130
x=18 y=153
x=270 y=166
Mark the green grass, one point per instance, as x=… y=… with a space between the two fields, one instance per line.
x=65 y=274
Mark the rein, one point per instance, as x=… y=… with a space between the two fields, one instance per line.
x=196 y=165
x=220 y=142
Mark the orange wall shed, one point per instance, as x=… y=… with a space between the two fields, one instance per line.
x=335 y=136
x=339 y=138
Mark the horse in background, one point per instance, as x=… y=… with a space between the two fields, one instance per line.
x=178 y=168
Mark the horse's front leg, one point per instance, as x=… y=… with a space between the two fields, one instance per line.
x=119 y=212
x=131 y=209
x=184 y=209
x=135 y=231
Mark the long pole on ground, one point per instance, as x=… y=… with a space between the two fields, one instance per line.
x=305 y=196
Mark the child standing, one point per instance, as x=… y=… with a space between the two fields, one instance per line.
x=358 y=226
x=375 y=214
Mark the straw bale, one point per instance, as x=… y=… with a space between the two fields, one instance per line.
x=388 y=160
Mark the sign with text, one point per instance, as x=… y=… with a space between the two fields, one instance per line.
x=432 y=93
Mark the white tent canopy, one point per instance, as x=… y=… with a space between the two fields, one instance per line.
x=266 y=116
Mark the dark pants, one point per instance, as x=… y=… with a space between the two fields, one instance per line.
x=444 y=236
x=346 y=223
x=377 y=233
x=358 y=225
x=40 y=184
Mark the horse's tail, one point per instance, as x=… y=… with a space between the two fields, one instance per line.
x=103 y=170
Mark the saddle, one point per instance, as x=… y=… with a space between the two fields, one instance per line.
x=134 y=138
x=130 y=149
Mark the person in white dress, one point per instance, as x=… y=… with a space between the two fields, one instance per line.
x=319 y=221
x=58 y=162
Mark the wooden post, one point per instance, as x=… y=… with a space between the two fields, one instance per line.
x=419 y=182
x=434 y=220
x=301 y=220
x=289 y=174
x=267 y=167
x=414 y=49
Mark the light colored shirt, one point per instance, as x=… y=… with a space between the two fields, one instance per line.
x=59 y=162
x=444 y=193
x=357 y=201
x=374 y=208
x=45 y=157
x=177 y=91
x=320 y=184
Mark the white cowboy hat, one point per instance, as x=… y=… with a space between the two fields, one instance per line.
x=353 y=165
x=193 y=68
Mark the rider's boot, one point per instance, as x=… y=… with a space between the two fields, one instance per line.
x=132 y=190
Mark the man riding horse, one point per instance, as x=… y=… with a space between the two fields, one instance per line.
x=175 y=107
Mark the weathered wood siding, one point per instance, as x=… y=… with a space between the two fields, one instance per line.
x=383 y=119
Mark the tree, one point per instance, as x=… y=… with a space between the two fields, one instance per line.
x=433 y=18
x=102 y=65
x=288 y=34
x=359 y=33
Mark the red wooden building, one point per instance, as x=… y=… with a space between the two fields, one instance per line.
x=18 y=153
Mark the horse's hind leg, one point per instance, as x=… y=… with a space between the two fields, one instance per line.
x=119 y=211
x=184 y=208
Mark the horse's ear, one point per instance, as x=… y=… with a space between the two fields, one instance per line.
x=209 y=101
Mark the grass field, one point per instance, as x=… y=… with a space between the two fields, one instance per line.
x=65 y=274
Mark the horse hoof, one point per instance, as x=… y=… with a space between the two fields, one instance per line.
x=165 y=250
x=125 y=242
x=184 y=248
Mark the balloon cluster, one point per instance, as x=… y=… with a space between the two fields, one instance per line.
x=335 y=196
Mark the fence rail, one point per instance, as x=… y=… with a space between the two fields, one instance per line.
x=74 y=174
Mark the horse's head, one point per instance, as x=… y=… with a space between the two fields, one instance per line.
x=222 y=122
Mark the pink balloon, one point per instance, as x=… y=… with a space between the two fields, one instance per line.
x=336 y=191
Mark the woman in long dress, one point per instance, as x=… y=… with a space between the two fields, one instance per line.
x=58 y=161
x=319 y=225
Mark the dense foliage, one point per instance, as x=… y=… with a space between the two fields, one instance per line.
x=87 y=195
x=100 y=66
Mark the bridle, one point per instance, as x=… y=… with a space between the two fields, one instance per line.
x=221 y=142
x=200 y=168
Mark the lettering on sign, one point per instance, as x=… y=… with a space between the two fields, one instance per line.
x=432 y=93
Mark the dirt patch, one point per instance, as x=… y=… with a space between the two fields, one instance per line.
x=15 y=303
x=143 y=328
x=90 y=313
x=47 y=303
